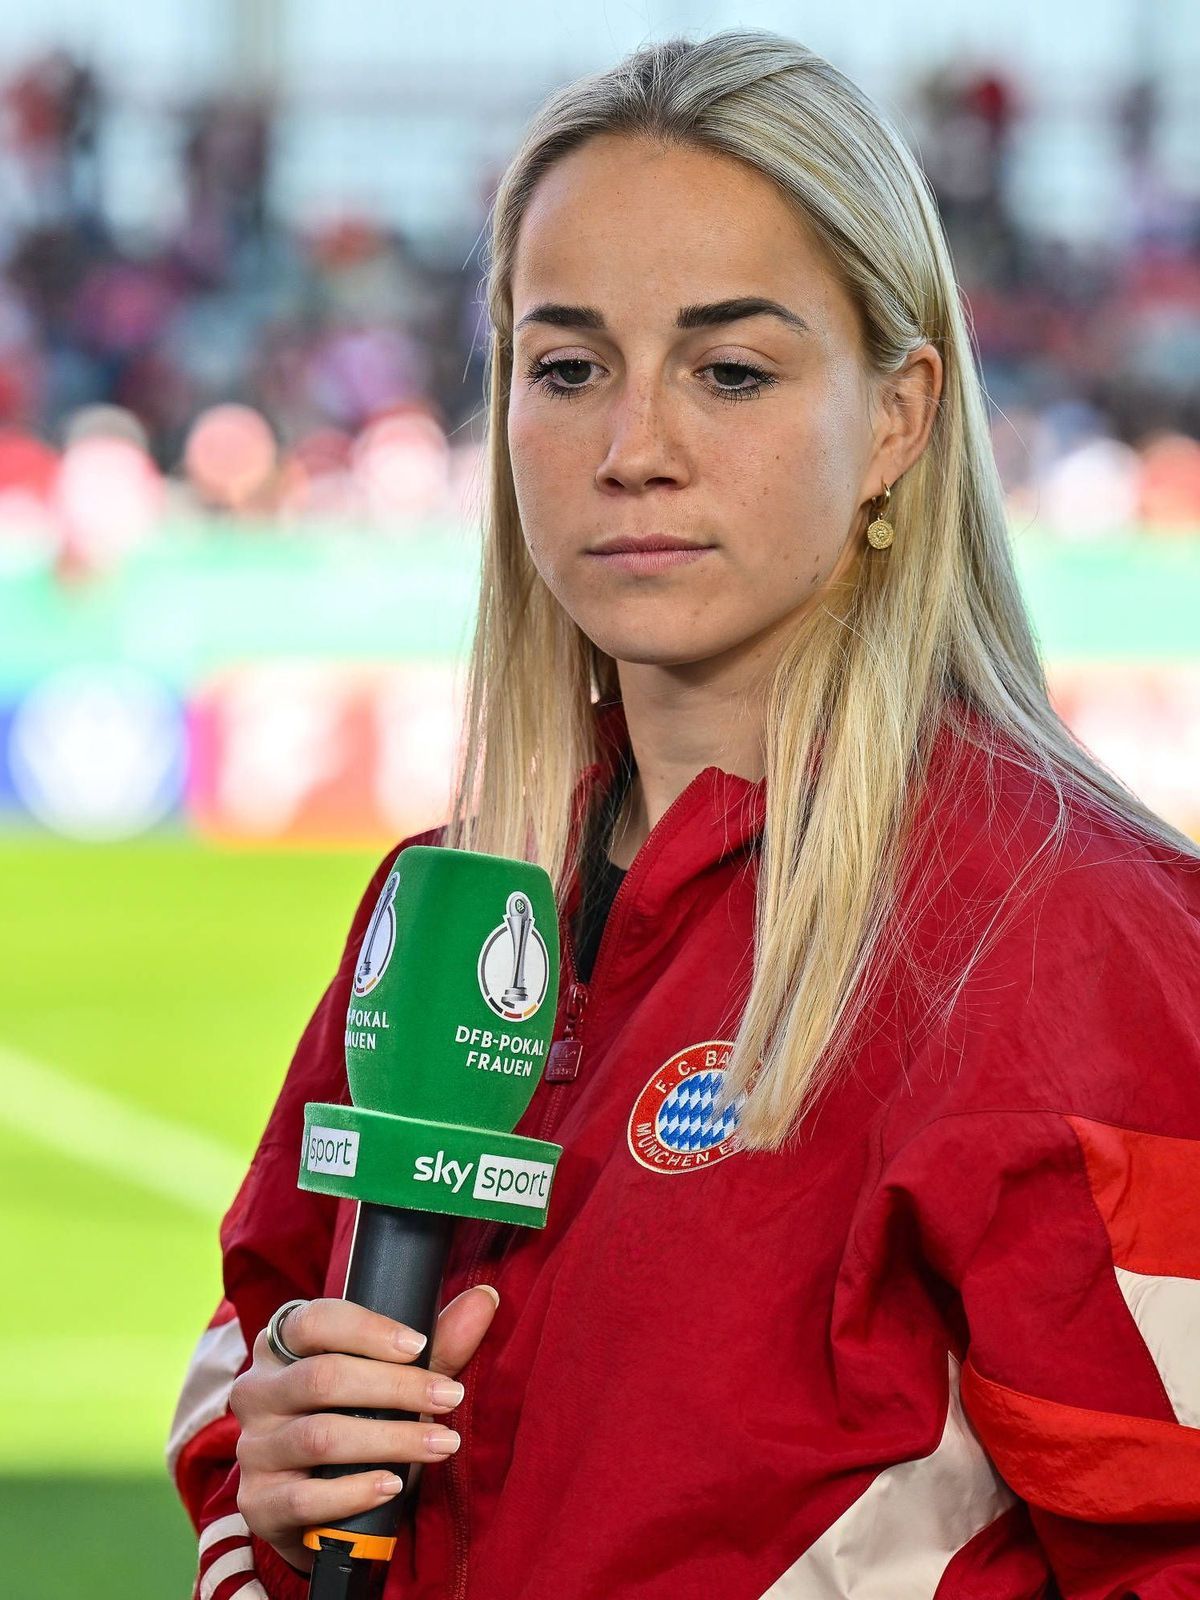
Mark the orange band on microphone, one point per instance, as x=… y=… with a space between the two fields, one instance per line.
x=363 y=1546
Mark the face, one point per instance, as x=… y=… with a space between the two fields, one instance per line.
x=753 y=437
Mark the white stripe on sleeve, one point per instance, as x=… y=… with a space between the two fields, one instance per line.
x=216 y=1362
x=239 y=1559
x=1167 y=1312
x=231 y=1527
x=907 y=1525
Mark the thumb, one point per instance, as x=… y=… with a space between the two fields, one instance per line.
x=460 y=1328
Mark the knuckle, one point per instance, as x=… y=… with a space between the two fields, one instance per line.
x=247 y=1504
x=296 y=1500
x=318 y=1378
x=239 y=1396
x=316 y=1437
x=251 y=1452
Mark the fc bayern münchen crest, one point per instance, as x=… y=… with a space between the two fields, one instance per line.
x=672 y=1127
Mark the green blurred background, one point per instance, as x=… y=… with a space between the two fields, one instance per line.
x=154 y=992
x=240 y=471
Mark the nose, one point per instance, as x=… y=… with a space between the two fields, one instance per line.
x=642 y=449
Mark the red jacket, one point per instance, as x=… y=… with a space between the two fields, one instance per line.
x=947 y=1346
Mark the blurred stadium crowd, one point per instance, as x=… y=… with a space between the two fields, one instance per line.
x=244 y=368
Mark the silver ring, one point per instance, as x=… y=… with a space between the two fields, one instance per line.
x=275 y=1331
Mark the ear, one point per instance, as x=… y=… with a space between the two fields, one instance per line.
x=906 y=405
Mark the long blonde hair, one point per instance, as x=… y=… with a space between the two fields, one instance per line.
x=865 y=681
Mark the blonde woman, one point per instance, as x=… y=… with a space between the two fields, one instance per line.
x=872 y=1260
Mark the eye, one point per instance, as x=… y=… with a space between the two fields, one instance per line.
x=762 y=380
x=541 y=374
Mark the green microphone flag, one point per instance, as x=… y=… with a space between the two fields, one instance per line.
x=450 y=1020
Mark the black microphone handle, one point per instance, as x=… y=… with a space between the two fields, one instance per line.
x=397 y=1259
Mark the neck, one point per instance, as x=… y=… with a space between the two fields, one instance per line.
x=677 y=727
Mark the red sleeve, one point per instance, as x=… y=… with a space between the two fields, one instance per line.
x=275 y=1242
x=1075 y=1247
x=1069 y=1228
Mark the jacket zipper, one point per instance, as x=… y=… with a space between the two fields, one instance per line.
x=567 y=1067
x=565 y=1053
x=562 y=1067
x=562 y=1064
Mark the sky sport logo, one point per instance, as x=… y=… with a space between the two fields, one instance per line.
x=505 y=1179
x=332 y=1150
x=672 y=1127
x=379 y=940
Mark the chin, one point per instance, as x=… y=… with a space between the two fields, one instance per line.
x=665 y=640
x=660 y=653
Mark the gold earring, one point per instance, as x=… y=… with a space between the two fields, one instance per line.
x=881 y=533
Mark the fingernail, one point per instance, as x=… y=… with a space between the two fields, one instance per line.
x=445 y=1443
x=487 y=1289
x=390 y=1484
x=411 y=1342
x=445 y=1392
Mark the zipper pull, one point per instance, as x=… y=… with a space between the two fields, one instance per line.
x=562 y=1064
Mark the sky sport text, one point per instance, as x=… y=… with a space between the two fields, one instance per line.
x=503 y=1178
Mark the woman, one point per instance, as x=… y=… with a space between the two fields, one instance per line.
x=872 y=1249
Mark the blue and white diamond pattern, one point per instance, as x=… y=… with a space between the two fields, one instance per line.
x=685 y=1119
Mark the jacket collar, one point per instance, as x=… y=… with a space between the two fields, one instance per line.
x=717 y=815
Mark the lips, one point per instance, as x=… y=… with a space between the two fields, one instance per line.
x=654 y=541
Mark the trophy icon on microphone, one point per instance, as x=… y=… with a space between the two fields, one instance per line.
x=379 y=940
x=513 y=966
x=519 y=919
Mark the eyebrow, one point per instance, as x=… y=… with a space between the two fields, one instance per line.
x=709 y=316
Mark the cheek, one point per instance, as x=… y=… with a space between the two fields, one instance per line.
x=538 y=461
x=520 y=452
x=777 y=489
x=791 y=501
x=538 y=469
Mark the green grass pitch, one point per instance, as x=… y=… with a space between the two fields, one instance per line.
x=175 y=978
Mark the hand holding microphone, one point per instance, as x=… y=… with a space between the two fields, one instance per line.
x=347 y=1356
x=449 y=1025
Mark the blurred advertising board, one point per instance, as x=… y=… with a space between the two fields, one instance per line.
x=1142 y=720
x=255 y=688
x=320 y=752
x=95 y=752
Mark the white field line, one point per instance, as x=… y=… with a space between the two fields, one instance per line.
x=123 y=1141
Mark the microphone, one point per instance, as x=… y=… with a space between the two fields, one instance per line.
x=450 y=1020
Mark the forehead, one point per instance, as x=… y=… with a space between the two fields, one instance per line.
x=620 y=218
